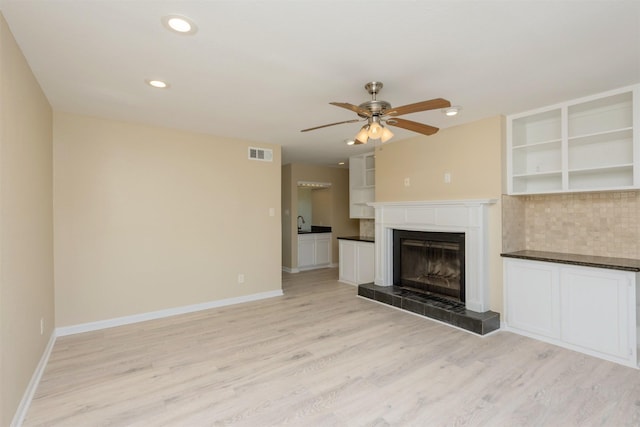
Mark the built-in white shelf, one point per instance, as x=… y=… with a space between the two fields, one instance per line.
x=589 y=144
x=362 y=185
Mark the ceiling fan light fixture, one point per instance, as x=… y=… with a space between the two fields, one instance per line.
x=363 y=135
x=386 y=135
x=451 y=111
x=375 y=130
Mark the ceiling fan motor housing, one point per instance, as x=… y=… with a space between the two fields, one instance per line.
x=375 y=107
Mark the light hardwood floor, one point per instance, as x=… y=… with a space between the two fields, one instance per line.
x=321 y=356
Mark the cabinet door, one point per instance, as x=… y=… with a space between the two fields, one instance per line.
x=366 y=263
x=532 y=296
x=347 y=265
x=323 y=249
x=306 y=251
x=596 y=310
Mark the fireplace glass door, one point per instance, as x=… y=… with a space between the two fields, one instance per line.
x=429 y=262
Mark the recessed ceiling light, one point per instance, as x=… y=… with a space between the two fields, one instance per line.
x=157 y=84
x=340 y=163
x=179 y=24
x=349 y=141
x=451 y=111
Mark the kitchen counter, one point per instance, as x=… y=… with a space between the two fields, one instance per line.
x=358 y=238
x=316 y=229
x=624 y=264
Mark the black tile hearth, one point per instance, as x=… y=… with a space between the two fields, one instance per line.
x=432 y=306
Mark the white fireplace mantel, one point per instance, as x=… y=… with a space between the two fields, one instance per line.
x=456 y=216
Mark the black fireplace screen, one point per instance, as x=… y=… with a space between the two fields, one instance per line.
x=429 y=262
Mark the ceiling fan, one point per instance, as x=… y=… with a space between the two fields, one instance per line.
x=378 y=113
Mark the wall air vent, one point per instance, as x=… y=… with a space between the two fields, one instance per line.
x=263 y=154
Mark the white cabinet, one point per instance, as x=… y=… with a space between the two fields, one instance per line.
x=533 y=297
x=362 y=185
x=587 y=144
x=314 y=250
x=323 y=249
x=357 y=260
x=596 y=310
x=306 y=250
x=587 y=309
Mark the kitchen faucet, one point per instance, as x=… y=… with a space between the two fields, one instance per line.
x=300 y=217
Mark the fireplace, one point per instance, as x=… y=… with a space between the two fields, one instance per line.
x=454 y=286
x=468 y=217
x=430 y=263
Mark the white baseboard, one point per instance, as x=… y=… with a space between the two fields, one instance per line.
x=27 y=397
x=143 y=317
x=315 y=267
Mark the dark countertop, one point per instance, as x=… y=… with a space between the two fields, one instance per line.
x=358 y=238
x=316 y=229
x=625 y=264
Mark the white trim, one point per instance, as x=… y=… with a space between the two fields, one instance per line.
x=290 y=270
x=558 y=342
x=27 y=397
x=143 y=317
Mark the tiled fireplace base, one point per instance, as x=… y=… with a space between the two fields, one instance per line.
x=434 y=307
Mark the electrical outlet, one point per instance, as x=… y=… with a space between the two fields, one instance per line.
x=447 y=178
x=42 y=326
x=240 y=278
x=407 y=182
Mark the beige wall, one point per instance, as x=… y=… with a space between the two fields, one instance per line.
x=148 y=218
x=26 y=225
x=340 y=222
x=289 y=199
x=472 y=154
x=321 y=202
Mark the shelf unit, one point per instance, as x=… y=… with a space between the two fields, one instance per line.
x=587 y=144
x=362 y=185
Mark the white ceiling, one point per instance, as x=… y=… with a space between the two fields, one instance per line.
x=263 y=70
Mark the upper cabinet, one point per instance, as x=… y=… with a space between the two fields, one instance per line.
x=362 y=185
x=582 y=145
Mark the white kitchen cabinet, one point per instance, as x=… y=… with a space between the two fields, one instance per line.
x=314 y=250
x=589 y=144
x=533 y=297
x=587 y=309
x=597 y=313
x=362 y=185
x=357 y=260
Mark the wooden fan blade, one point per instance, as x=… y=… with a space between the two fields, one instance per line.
x=354 y=108
x=413 y=126
x=331 y=124
x=431 y=104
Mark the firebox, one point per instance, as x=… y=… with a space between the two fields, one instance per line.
x=429 y=262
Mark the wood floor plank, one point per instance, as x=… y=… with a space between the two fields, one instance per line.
x=320 y=355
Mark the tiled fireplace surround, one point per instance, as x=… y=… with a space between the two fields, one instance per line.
x=600 y=223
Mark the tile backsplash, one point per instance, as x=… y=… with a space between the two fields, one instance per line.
x=602 y=223
x=367 y=227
